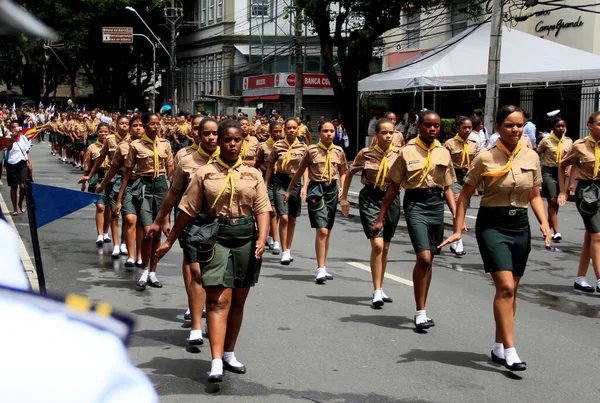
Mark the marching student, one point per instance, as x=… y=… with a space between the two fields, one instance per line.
x=397 y=137
x=585 y=159
x=553 y=150
x=286 y=156
x=424 y=169
x=512 y=177
x=250 y=142
x=152 y=160
x=234 y=198
x=375 y=162
x=462 y=151
x=326 y=163
x=91 y=154
x=187 y=161
x=262 y=162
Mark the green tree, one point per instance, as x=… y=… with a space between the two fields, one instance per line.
x=347 y=49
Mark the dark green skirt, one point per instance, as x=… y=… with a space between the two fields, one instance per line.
x=190 y=252
x=370 y=200
x=504 y=239
x=550 y=187
x=93 y=184
x=424 y=212
x=293 y=207
x=461 y=174
x=149 y=197
x=591 y=220
x=322 y=200
x=231 y=262
x=112 y=192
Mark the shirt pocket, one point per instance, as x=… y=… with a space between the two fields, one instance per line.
x=439 y=173
x=586 y=165
x=413 y=169
x=524 y=178
x=245 y=193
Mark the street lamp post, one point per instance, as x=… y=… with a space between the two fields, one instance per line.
x=129 y=8
x=153 y=70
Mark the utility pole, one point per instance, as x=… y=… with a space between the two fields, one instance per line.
x=492 y=88
x=299 y=87
x=174 y=16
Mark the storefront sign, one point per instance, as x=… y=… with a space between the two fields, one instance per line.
x=286 y=80
x=254 y=82
x=557 y=27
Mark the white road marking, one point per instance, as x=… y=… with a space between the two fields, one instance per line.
x=392 y=277
x=353 y=193
x=25 y=257
x=467 y=216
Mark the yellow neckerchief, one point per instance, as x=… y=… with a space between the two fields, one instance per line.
x=106 y=160
x=126 y=138
x=496 y=175
x=591 y=139
x=210 y=157
x=288 y=154
x=328 y=164
x=245 y=147
x=183 y=128
x=428 y=164
x=270 y=141
x=228 y=179
x=383 y=166
x=465 y=153
x=155 y=146
x=559 y=150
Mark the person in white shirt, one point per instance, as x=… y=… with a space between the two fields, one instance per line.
x=530 y=130
x=478 y=135
x=18 y=166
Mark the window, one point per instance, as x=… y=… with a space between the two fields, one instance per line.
x=219 y=73
x=211 y=10
x=312 y=64
x=413 y=22
x=219 y=9
x=203 y=12
x=259 y=8
x=202 y=77
x=459 y=16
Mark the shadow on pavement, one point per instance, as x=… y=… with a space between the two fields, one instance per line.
x=362 y=301
x=391 y=322
x=168 y=314
x=464 y=359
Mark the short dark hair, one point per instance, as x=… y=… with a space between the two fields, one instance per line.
x=424 y=113
x=226 y=125
x=462 y=120
x=382 y=121
x=505 y=111
x=593 y=117
x=204 y=122
x=146 y=117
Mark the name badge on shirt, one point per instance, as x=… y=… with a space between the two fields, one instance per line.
x=143 y=155
x=413 y=162
x=247 y=175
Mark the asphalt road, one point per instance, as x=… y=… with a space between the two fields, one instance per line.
x=324 y=343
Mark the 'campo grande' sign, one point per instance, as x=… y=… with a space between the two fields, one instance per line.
x=557 y=27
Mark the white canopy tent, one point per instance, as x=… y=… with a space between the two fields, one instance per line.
x=462 y=61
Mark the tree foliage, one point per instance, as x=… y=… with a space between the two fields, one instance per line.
x=78 y=24
x=348 y=31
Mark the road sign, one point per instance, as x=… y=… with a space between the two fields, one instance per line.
x=117 y=34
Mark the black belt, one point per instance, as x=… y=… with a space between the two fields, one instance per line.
x=235 y=220
x=509 y=211
x=424 y=191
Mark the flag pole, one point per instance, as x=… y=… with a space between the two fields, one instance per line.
x=35 y=241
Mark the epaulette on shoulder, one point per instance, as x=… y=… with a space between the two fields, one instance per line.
x=579 y=141
x=77 y=308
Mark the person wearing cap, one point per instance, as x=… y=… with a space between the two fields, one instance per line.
x=424 y=168
x=263 y=162
x=188 y=161
x=585 y=159
x=397 y=138
x=463 y=150
x=152 y=160
x=234 y=198
x=512 y=177
x=375 y=162
x=326 y=163
x=250 y=142
x=553 y=150
x=285 y=159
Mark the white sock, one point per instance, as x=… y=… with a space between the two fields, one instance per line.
x=285 y=255
x=100 y=239
x=139 y=262
x=459 y=246
x=269 y=240
x=420 y=317
x=377 y=295
x=321 y=272
x=105 y=235
x=582 y=281
x=188 y=312
x=383 y=294
x=598 y=283
x=144 y=276
x=195 y=334
x=123 y=248
x=510 y=354
x=229 y=358
x=216 y=367
x=116 y=250
x=153 y=276
x=498 y=350
x=276 y=245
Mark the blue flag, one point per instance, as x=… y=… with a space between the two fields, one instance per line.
x=52 y=203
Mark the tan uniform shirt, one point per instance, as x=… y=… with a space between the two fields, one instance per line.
x=120 y=155
x=525 y=142
x=456 y=148
x=582 y=156
x=397 y=139
x=315 y=159
x=141 y=157
x=263 y=156
x=412 y=159
x=304 y=134
x=187 y=161
x=368 y=160
x=110 y=146
x=251 y=147
x=548 y=147
x=513 y=189
x=92 y=153
x=278 y=155
x=250 y=197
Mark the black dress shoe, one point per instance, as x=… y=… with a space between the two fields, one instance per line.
x=497 y=359
x=329 y=276
x=155 y=284
x=141 y=285
x=99 y=242
x=203 y=314
x=584 y=288
x=462 y=253
x=129 y=263
x=235 y=370
x=431 y=322
x=140 y=265
x=215 y=378
x=422 y=326
x=387 y=299
x=517 y=366
x=187 y=316
x=196 y=342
